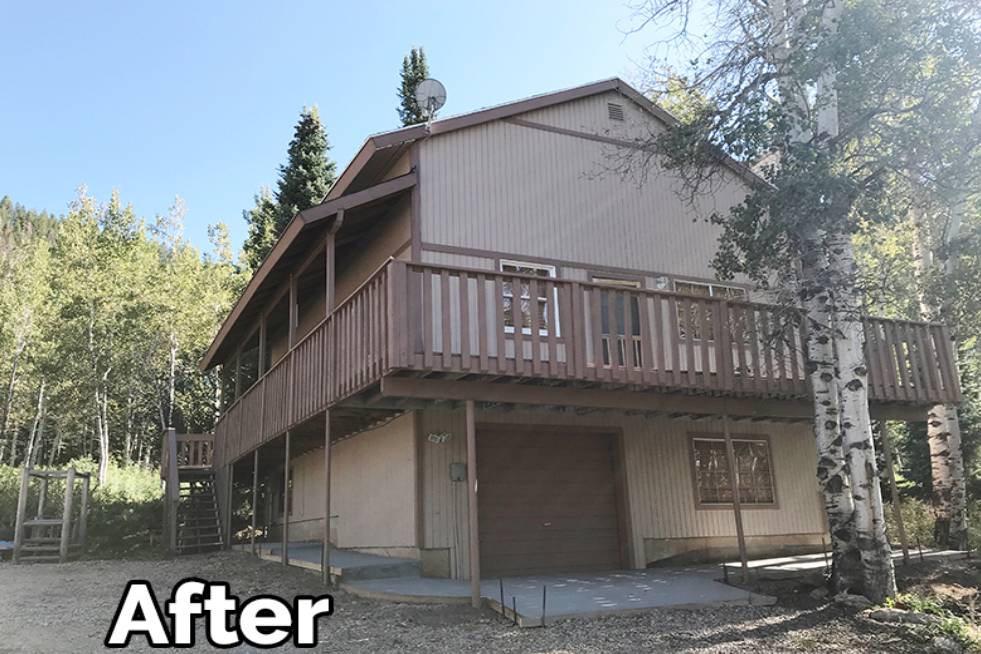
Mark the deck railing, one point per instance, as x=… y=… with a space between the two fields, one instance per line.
x=457 y=320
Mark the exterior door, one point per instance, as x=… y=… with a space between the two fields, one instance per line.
x=547 y=501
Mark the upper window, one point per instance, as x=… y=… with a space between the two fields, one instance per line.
x=617 y=337
x=703 y=289
x=713 y=482
x=518 y=307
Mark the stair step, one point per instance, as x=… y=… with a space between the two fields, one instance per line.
x=43 y=522
x=40 y=548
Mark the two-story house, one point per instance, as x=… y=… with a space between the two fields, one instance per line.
x=522 y=362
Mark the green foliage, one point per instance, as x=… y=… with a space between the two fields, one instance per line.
x=112 y=314
x=124 y=513
x=308 y=173
x=918 y=519
x=304 y=181
x=949 y=625
x=414 y=70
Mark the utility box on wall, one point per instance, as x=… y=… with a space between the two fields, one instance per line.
x=458 y=472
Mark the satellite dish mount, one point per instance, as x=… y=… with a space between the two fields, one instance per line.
x=430 y=96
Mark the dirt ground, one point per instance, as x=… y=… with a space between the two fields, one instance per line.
x=67 y=608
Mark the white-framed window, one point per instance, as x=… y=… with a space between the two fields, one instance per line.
x=517 y=307
x=713 y=479
x=705 y=289
x=620 y=333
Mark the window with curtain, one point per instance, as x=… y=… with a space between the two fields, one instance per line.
x=516 y=298
x=701 y=289
x=713 y=482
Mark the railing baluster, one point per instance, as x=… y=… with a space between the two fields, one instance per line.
x=499 y=326
x=534 y=312
x=552 y=323
x=464 y=321
x=482 y=340
x=427 y=319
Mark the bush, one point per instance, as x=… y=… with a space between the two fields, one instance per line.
x=125 y=514
x=918 y=518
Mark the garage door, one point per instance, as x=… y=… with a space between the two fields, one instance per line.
x=547 y=502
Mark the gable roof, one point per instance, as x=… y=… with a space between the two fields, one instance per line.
x=381 y=150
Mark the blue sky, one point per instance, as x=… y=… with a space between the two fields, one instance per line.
x=199 y=99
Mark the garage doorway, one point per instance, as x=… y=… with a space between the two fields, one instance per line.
x=548 y=501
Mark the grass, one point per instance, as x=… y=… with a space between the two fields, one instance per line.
x=125 y=513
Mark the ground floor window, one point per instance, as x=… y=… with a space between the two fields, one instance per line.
x=713 y=483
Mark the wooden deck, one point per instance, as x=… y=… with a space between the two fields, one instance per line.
x=457 y=323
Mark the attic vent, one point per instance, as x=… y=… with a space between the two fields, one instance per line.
x=614 y=110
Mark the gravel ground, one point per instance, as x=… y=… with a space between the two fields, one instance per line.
x=67 y=608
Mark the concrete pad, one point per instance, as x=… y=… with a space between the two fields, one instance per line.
x=344 y=564
x=788 y=567
x=575 y=595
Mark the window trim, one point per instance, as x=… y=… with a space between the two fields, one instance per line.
x=712 y=286
x=728 y=506
x=552 y=274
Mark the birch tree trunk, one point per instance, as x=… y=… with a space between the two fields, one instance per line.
x=948 y=493
x=868 y=524
x=29 y=454
x=832 y=472
x=9 y=400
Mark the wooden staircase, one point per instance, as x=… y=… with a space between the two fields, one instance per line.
x=192 y=518
x=198 y=523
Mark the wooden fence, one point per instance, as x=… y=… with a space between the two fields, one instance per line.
x=457 y=320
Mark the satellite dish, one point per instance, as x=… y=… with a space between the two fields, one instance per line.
x=431 y=96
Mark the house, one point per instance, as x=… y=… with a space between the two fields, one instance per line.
x=522 y=361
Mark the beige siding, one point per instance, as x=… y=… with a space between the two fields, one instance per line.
x=373 y=482
x=591 y=115
x=512 y=189
x=658 y=471
x=386 y=239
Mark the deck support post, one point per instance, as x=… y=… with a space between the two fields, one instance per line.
x=286 y=502
x=229 y=491
x=292 y=309
x=894 y=492
x=325 y=554
x=25 y=480
x=83 y=511
x=472 y=504
x=42 y=497
x=736 y=504
x=330 y=257
x=66 y=516
x=255 y=497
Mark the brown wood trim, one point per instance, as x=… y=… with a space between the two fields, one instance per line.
x=420 y=479
x=590 y=268
x=720 y=436
x=295 y=227
x=624 y=516
x=438 y=389
x=415 y=213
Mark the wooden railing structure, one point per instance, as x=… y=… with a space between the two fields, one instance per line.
x=181 y=453
x=443 y=319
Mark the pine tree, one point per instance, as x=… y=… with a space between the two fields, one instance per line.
x=303 y=182
x=308 y=173
x=261 y=219
x=414 y=70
